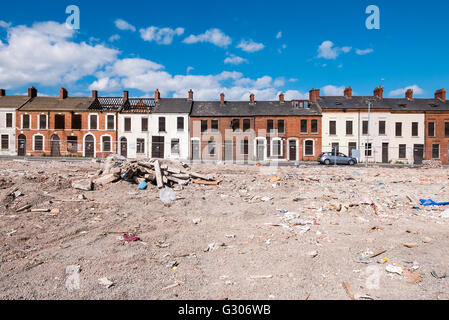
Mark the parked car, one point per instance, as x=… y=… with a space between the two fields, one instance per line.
x=329 y=158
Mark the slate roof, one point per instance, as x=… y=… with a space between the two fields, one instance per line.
x=418 y=104
x=56 y=104
x=139 y=105
x=173 y=105
x=107 y=104
x=13 y=101
x=245 y=109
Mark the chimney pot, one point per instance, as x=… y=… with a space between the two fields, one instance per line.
x=157 y=95
x=125 y=95
x=191 y=95
x=32 y=92
x=282 y=97
x=441 y=94
x=348 y=92
x=2 y=92
x=222 y=97
x=409 y=94
x=63 y=93
x=252 y=99
x=94 y=94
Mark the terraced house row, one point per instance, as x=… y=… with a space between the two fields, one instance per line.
x=376 y=129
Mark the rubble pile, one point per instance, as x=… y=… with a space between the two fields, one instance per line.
x=156 y=172
x=432 y=164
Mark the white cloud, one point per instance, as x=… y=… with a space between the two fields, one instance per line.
x=214 y=36
x=46 y=54
x=398 y=92
x=250 y=46
x=327 y=50
x=331 y=90
x=4 y=24
x=189 y=68
x=279 y=35
x=363 y=52
x=114 y=37
x=295 y=95
x=123 y=25
x=160 y=35
x=233 y=59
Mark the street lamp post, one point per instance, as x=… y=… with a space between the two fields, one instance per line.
x=368 y=137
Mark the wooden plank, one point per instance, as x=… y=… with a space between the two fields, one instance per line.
x=178 y=181
x=157 y=169
x=208 y=183
x=348 y=290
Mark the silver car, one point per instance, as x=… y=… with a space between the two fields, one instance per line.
x=329 y=158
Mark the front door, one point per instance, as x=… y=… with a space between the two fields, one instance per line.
x=158 y=147
x=124 y=147
x=292 y=150
x=352 y=146
x=195 y=150
x=418 y=153
x=228 y=152
x=55 y=146
x=22 y=145
x=385 y=157
x=89 y=147
x=260 y=150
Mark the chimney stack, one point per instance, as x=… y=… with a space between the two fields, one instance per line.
x=2 y=92
x=252 y=98
x=409 y=94
x=191 y=95
x=32 y=92
x=157 y=95
x=63 y=93
x=125 y=95
x=94 y=94
x=281 y=98
x=441 y=94
x=222 y=96
x=379 y=92
x=348 y=92
x=312 y=97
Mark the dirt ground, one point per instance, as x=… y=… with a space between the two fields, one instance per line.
x=230 y=241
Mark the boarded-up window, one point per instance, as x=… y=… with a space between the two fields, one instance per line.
x=5 y=142
x=281 y=126
x=127 y=124
x=93 y=122
x=333 y=127
x=144 y=124
x=106 y=143
x=365 y=127
x=161 y=124
x=235 y=125
x=303 y=126
x=38 y=143
x=245 y=147
x=382 y=127
x=349 y=128
x=9 y=120
x=436 y=151
x=308 y=150
x=212 y=148
x=415 y=127
x=431 y=129
x=140 y=146
x=214 y=125
x=398 y=129
x=446 y=129
x=110 y=122
x=59 y=122
x=42 y=122
x=402 y=151
x=26 y=121
x=72 y=144
x=246 y=125
x=175 y=146
x=180 y=122
x=270 y=126
x=76 y=121
x=203 y=126
x=314 y=126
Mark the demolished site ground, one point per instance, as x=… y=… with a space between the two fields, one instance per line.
x=262 y=233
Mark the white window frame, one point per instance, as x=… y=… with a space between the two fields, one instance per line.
x=439 y=151
x=95 y=144
x=106 y=122
x=46 y=122
x=43 y=142
x=12 y=120
x=90 y=127
x=101 y=142
x=304 y=148
x=9 y=142
x=21 y=120
x=272 y=155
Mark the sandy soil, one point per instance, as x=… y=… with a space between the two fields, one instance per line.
x=258 y=253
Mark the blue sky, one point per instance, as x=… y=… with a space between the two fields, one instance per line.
x=235 y=47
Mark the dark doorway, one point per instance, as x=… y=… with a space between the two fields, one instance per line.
x=418 y=153
x=124 y=147
x=292 y=150
x=195 y=150
x=351 y=146
x=55 y=146
x=158 y=147
x=260 y=145
x=228 y=152
x=385 y=157
x=89 y=147
x=22 y=145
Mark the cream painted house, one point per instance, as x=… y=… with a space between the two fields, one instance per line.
x=8 y=108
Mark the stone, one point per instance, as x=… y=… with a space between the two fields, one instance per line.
x=85 y=185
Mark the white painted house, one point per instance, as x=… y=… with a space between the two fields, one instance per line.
x=8 y=107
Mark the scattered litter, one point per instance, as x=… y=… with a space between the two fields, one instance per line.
x=430 y=202
x=261 y=277
x=435 y=275
x=394 y=269
x=411 y=245
x=142 y=186
x=348 y=290
x=72 y=282
x=167 y=195
x=105 y=282
x=130 y=237
x=196 y=220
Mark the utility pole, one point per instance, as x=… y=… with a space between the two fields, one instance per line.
x=369 y=101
